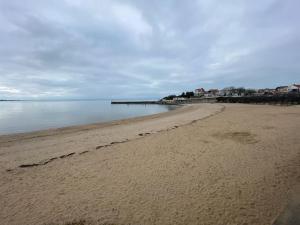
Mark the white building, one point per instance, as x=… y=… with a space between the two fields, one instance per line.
x=199 y=92
x=294 y=88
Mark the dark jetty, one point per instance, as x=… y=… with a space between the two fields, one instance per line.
x=288 y=99
x=135 y=102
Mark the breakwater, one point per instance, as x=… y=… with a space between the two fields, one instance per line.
x=135 y=102
x=287 y=99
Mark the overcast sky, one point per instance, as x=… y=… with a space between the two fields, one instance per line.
x=128 y=49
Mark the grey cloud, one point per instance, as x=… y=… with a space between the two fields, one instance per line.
x=113 y=49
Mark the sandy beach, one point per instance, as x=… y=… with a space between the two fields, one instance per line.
x=200 y=164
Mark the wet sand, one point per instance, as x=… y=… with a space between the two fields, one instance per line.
x=201 y=164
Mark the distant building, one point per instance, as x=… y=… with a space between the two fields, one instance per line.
x=281 y=89
x=214 y=92
x=261 y=91
x=226 y=92
x=199 y=92
x=294 y=88
x=211 y=93
x=222 y=92
x=266 y=91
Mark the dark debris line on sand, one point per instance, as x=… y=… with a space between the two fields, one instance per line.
x=44 y=162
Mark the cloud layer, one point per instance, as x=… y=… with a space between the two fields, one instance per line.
x=127 y=49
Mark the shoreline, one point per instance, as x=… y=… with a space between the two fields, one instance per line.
x=81 y=127
x=35 y=148
x=45 y=115
x=77 y=128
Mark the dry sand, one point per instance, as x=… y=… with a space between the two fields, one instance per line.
x=201 y=164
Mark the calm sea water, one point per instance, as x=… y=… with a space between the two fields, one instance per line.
x=25 y=116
